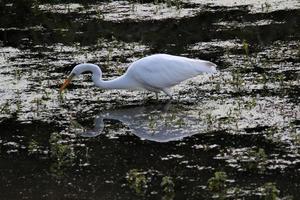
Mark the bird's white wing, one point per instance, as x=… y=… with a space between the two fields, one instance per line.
x=164 y=71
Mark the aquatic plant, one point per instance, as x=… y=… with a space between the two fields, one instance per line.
x=33 y=147
x=18 y=74
x=270 y=132
x=46 y=95
x=100 y=14
x=265 y=7
x=169 y=3
x=152 y=122
x=217 y=183
x=61 y=97
x=167 y=184
x=270 y=191
x=263 y=79
x=137 y=181
x=250 y=104
x=280 y=78
x=169 y=119
x=246 y=47
x=38 y=103
x=180 y=122
x=217 y=86
x=4 y=108
x=237 y=80
x=62 y=154
x=210 y=119
x=18 y=101
x=59 y=150
x=120 y=70
x=176 y=3
x=260 y=154
x=257 y=160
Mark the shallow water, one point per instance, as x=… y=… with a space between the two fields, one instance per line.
x=90 y=143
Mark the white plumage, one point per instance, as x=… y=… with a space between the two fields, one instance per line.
x=164 y=71
x=155 y=73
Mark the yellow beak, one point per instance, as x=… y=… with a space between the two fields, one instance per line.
x=66 y=82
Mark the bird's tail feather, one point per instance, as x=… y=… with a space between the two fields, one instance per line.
x=206 y=66
x=212 y=67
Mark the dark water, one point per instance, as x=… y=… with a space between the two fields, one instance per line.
x=234 y=135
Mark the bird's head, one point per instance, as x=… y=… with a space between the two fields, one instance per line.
x=79 y=69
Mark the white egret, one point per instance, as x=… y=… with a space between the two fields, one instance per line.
x=155 y=73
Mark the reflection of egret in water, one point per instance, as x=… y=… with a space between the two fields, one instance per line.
x=160 y=123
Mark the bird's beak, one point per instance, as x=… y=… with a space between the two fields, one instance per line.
x=66 y=82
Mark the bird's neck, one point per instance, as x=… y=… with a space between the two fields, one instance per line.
x=118 y=83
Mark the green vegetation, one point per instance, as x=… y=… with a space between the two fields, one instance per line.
x=259 y=155
x=33 y=147
x=5 y=108
x=265 y=7
x=137 y=181
x=237 y=80
x=62 y=154
x=18 y=101
x=38 y=103
x=257 y=160
x=167 y=184
x=18 y=74
x=217 y=183
x=270 y=191
x=246 y=48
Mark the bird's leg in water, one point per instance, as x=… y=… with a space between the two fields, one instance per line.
x=167 y=91
x=166 y=106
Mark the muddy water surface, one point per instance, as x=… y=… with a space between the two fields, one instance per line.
x=233 y=135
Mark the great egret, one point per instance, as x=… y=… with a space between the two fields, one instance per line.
x=155 y=73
